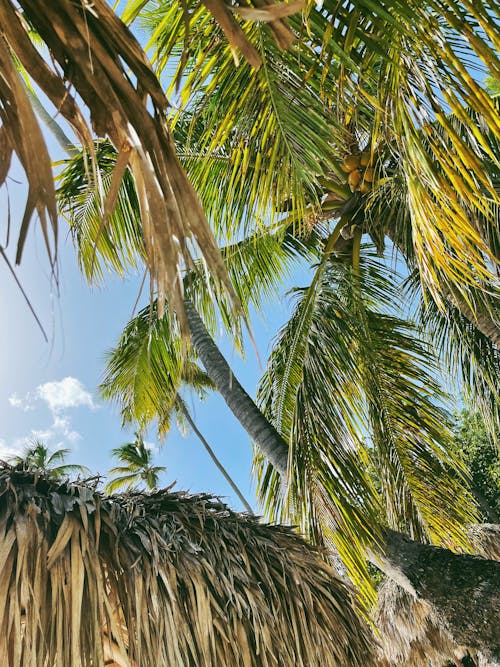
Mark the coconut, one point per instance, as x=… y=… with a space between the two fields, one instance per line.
x=350 y=163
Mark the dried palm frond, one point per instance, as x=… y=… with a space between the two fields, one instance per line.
x=411 y=632
x=94 y=53
x=167 y=579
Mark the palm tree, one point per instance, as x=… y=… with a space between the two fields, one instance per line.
x=415 y=461
x=137 y=468
x=369 y=88
x=144 y=376
x=37 y=458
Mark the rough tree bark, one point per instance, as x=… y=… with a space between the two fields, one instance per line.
x=463 y=589
x=262 y=432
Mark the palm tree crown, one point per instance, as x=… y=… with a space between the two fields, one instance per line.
x=138 y=466
x=37 y=457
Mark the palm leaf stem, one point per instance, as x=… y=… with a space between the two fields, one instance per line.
x=183 y=408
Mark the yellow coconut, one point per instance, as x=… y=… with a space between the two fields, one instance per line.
x=368 y=175
x=354 y=179
x=350 y=163
x=365 y=158
x=364 y=187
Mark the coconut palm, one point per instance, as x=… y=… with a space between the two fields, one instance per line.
x=166 y=578
x=137 y=468
x=393 y=162
x=415 y=461
x=145 y=374
x=37 y=457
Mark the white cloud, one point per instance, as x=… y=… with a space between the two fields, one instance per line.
x=67 y=393
x=59 y=396
x=24 y=404
x=62 y=425
x=7 y=452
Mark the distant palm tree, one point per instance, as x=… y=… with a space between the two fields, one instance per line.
x=137 y=459
x=37 y=457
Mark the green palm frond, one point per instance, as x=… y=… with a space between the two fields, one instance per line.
x=328 y=493
x=397 y=77
x=377 y=382
x=257 y=265
x=469 y=359
x=253 y=138
x=411 y=65
x=119 y=244
x=144 y=371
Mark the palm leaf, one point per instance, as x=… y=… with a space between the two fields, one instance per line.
x=469 y=359
x=105 y=60
x=376 y=381
x=145 y=371
x=256 y=137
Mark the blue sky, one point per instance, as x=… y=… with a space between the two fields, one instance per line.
x=48 y=391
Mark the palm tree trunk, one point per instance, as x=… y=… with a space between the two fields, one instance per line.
x=463 y=589
x=262 y=432
x=183 y=408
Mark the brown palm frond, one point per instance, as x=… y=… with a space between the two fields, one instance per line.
x=411 y=631
x=162 y=579
x=94 y=53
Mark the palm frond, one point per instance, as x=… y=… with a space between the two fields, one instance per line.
x=328 y=492
x=377 y=382
x=252 y=138
x=111 y=73
x=469 y=359
x=144 y=371
x=405 y=68
x=117 y=246
x=372 y=77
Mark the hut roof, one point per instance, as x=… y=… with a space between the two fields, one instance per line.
x=411 y=633
x=166 y=579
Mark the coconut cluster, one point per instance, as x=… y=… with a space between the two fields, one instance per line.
x=359 y=168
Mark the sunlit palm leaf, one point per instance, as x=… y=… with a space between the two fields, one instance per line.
x=144 y=372
x=376 y=382
x=363 y=73
x=328 y=492
x=470 y=360
x=119 y=245
x=411 y=64
x=256 y=137
x=110 y=72
x=257 y=265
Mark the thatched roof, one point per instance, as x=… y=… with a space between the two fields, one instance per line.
x=411 y=634
x=166 y=579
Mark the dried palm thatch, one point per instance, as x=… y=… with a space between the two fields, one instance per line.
x=411 y=632
x=93 y=53
x=163 y=579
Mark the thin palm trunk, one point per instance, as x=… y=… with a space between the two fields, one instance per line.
x=262 y=432
x=183 y=408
